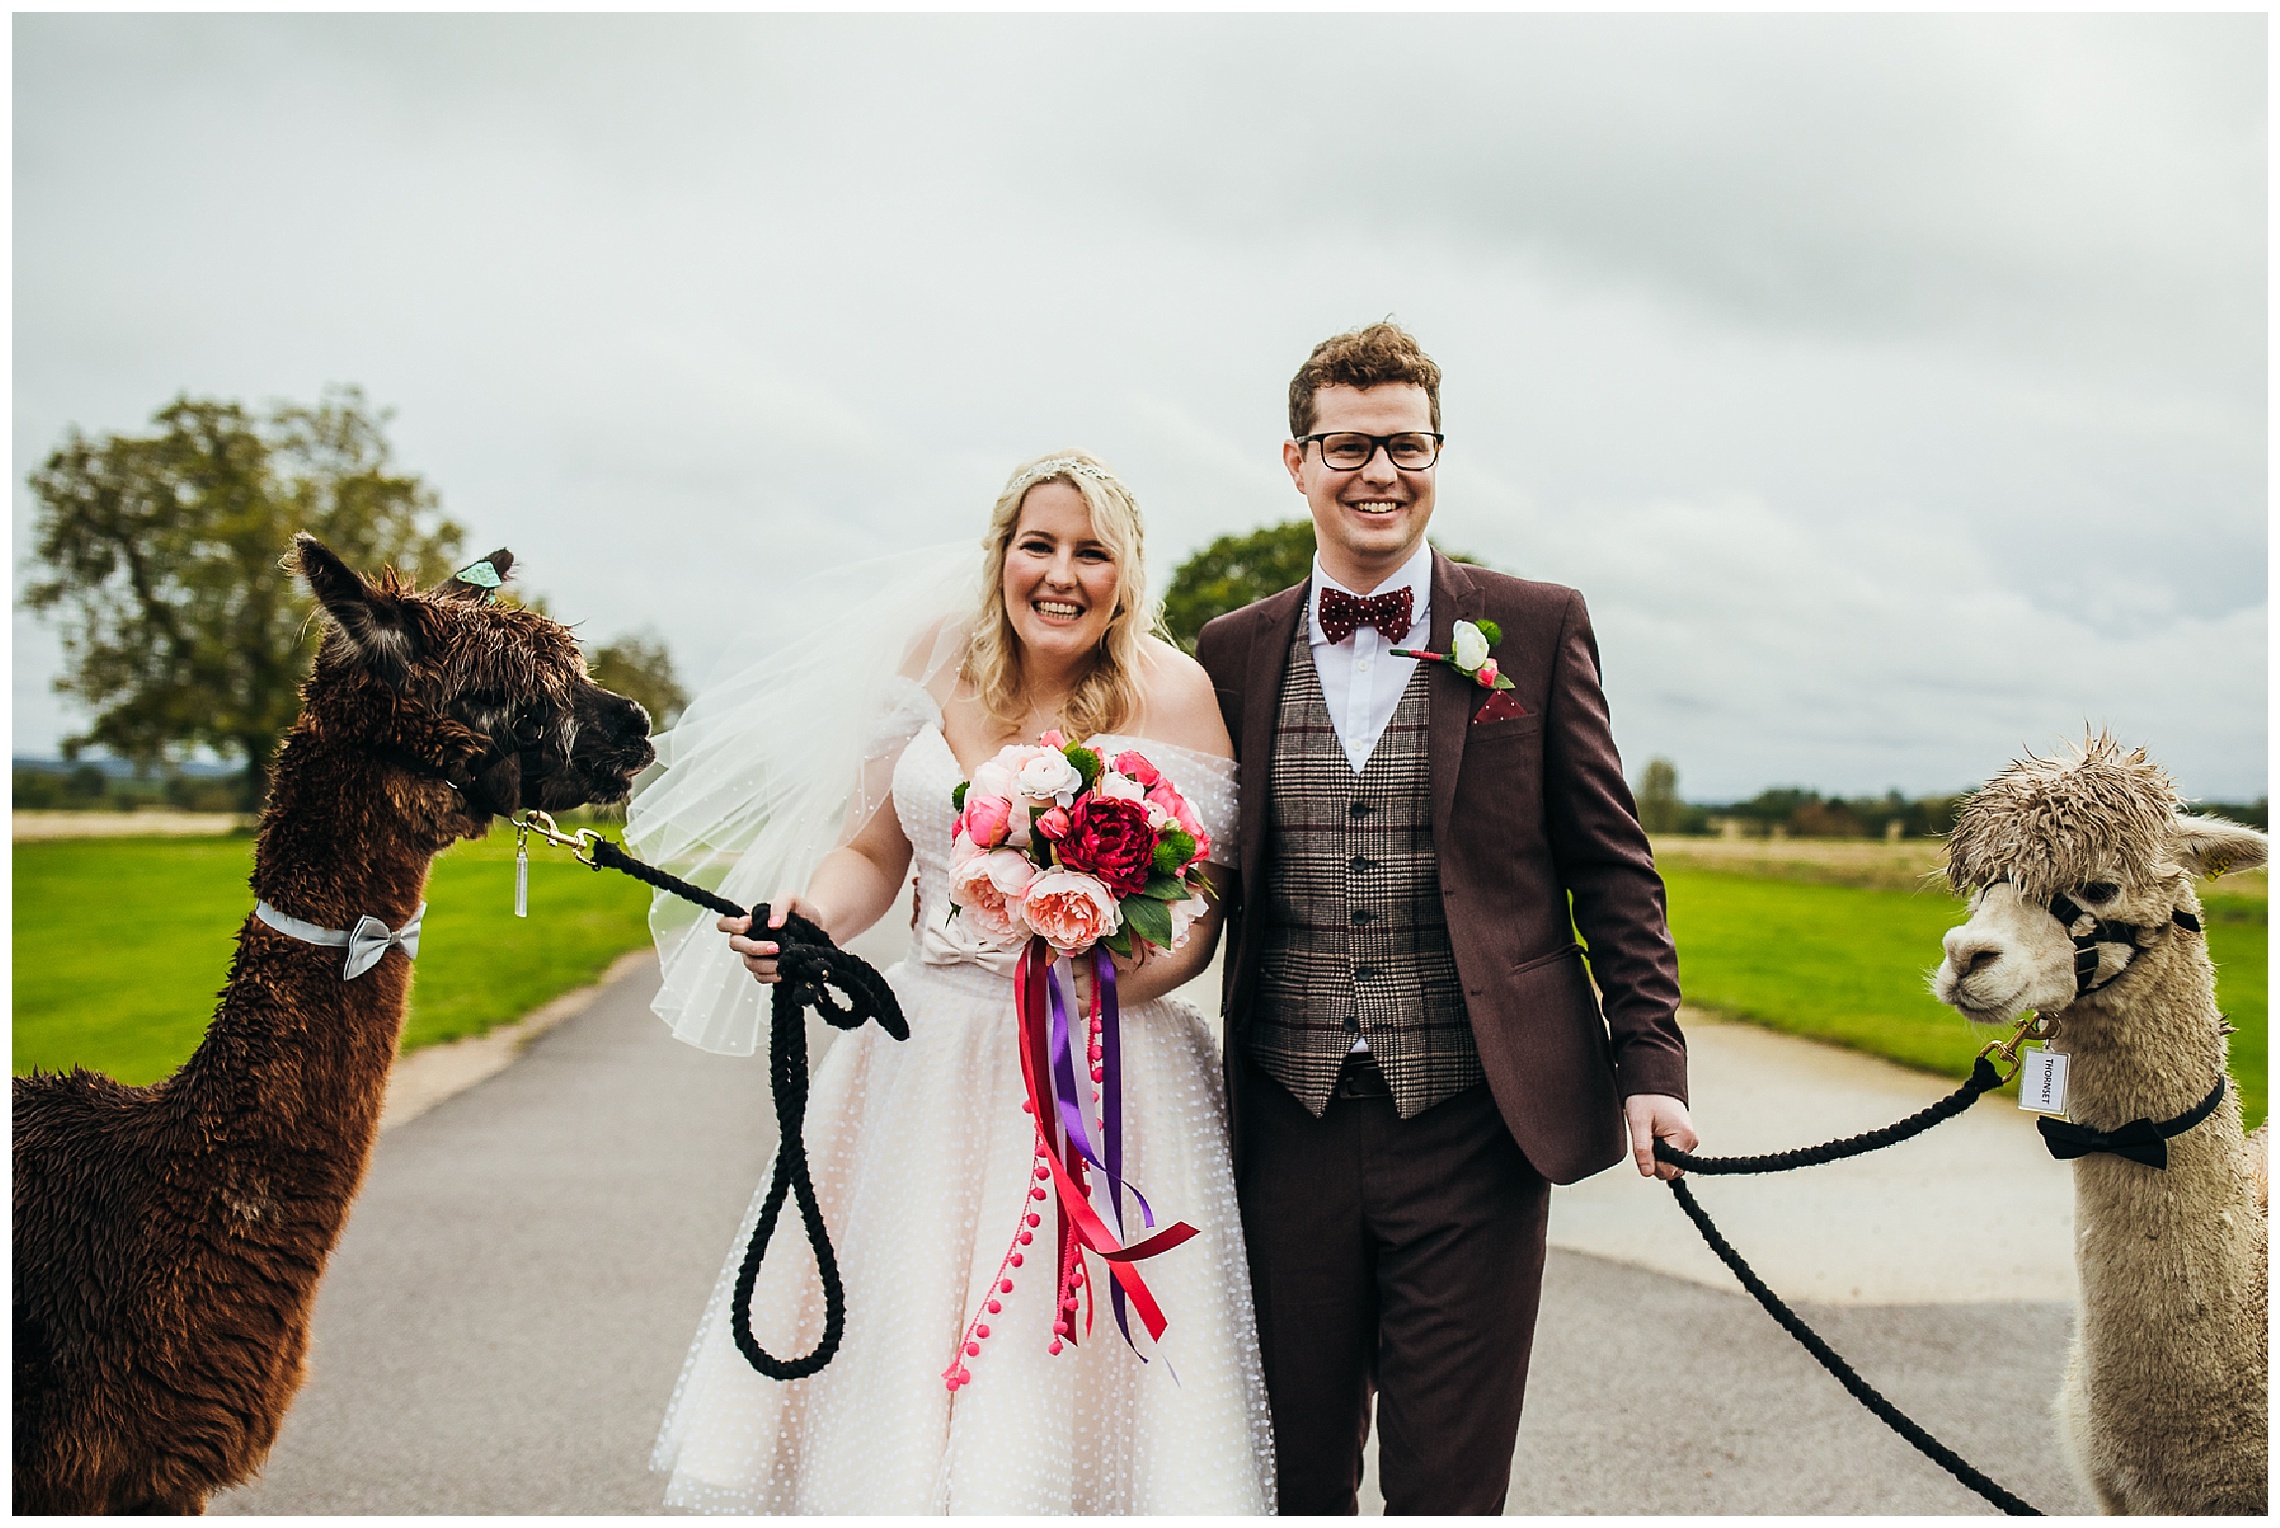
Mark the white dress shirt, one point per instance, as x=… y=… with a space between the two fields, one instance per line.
x=1361 y=682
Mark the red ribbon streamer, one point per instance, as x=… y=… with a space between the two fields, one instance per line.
x=1076 y=1218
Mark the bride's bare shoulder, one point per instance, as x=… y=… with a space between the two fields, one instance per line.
x=1179 y=704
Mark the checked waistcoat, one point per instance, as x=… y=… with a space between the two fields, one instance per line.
x=1356 y=944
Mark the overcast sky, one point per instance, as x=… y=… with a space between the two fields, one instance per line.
x=1893 y=387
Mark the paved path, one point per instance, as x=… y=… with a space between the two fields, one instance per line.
x=508 y=1309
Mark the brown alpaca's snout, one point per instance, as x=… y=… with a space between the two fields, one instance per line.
x=611 y=747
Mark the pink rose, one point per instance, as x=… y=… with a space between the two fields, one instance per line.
x=1051 y=738
x=1053 y=824
x=1070 y=909
x=986 y=819
x=1176 y=804
x=1485 y=675
x=988 y=888
x=1137 y=766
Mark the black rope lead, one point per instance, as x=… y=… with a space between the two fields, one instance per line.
x=814 y=973
x=1889 y=1414
x=1984 y=1079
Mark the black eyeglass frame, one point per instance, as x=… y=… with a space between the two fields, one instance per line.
x=1377 y=443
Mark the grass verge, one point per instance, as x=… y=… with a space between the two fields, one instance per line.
x=1847 y=964
x=122 y=944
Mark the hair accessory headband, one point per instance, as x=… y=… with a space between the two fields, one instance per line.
x=1055 y=466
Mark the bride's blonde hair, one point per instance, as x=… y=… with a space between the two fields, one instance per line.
x=1109 y=695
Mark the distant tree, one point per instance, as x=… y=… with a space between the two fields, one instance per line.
x=639 y=667
x=1236 y=570
x=1658 y=797
x=2249 y=814
x=160 y=557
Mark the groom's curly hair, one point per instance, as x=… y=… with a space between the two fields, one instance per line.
x=1366 y=357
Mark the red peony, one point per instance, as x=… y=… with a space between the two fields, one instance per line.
x=1110 y=839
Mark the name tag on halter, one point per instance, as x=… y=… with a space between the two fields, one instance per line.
x=2042 y=1081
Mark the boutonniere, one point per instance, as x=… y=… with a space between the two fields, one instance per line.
x=1469 y=643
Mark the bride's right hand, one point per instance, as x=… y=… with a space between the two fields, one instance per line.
x=760 y=954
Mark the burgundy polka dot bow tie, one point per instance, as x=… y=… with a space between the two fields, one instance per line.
x=1344 y=614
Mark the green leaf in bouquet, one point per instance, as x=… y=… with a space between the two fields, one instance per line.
x=1502 y=683
x=1490 y=630
x=1150 y=920
x=958 y=795
x=1174 y=848
x=1118 y=943
x=1086 y=762
x=1165 y=888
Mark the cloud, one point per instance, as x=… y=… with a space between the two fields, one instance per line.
x=1962 y=315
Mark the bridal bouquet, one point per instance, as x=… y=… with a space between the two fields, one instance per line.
x=1071 y=856
x=1056 y=843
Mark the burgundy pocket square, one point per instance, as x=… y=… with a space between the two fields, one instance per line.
x=1499 y=707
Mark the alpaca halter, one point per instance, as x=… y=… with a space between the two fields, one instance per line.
x=2070 y=915
x=366 y=942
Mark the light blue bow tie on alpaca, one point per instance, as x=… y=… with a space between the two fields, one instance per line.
x=366 y=942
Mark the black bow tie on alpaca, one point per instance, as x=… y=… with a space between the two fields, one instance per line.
x=2141 y=1140
x=1344 y=614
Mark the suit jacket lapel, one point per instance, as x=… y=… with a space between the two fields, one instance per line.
x=1450 y=704
x=1271 y=636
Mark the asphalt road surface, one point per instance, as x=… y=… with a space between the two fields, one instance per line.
x=509 y=1307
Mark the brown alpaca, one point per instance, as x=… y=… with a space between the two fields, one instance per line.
x=168 y=1240
x=2163 y=1405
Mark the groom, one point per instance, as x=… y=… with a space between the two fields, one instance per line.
x=1414 y=1050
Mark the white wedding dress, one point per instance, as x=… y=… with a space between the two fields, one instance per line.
x=921 y=1155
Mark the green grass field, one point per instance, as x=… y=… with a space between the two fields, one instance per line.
x=1843 y=963
x=1848 y=964
x=122 y=944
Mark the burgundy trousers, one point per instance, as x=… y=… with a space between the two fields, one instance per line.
x=1397 y=1257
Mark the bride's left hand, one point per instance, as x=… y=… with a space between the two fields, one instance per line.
x=1124 y=969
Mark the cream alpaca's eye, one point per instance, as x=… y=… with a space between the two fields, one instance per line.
x=2100 y=891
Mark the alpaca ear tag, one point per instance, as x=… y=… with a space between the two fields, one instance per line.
x=522 y=870
x=481 y=575
x=2042 y=1081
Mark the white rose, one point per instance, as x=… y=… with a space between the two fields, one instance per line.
x=992 y=779
x=1048 y=777
x=1157 y=817
x=1183 y=914
x=1468 y=646
x=1112 y=786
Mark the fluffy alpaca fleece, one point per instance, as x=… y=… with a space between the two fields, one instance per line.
x=168 y=1240
x=2163 y=1408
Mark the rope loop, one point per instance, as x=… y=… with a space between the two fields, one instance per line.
x=848 y=992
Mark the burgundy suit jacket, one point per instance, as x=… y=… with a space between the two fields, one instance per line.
x=1531 y=816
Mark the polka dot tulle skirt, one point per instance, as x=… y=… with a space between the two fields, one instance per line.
x=922 y=1156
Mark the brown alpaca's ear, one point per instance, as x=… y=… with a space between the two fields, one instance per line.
x=2211 y=846
x=374 y=621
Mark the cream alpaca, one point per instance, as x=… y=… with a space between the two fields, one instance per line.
x=2163 y=1405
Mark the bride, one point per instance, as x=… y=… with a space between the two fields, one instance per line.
x=921 y=1150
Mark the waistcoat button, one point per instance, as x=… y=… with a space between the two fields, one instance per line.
x=1358 y=809
x=1363 y=915
x=1358 y=862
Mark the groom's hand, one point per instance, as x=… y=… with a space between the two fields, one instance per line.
x=1656 y=1117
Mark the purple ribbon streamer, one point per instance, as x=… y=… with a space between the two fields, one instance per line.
x=1068 y=1103
x=1112 y=1115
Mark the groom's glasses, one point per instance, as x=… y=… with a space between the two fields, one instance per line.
x=1349 y=451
